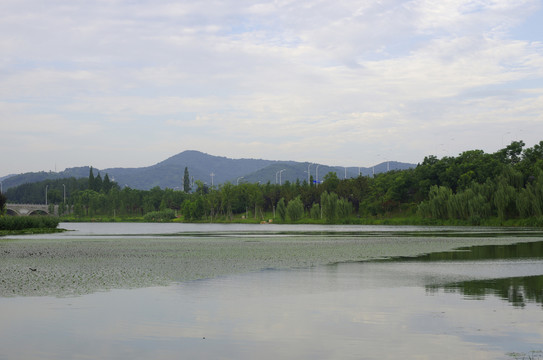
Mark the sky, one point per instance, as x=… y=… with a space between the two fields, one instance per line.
x=113 y=83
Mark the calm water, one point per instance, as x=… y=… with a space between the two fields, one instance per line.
x=477 y=302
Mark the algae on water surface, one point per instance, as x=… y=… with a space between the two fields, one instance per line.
x=64 y=266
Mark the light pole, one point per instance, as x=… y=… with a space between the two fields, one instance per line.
x=317 y=175
x=212 y=175
x=345 y=177
x=308 y=175
x=280 y=176
x=46 y=186
x=237 y=182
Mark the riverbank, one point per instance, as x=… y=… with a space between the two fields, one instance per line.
x=382 y=220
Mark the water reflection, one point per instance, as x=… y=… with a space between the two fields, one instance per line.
x=518 y=290
x=344 y=311
x=405 y=307
x=525 y=250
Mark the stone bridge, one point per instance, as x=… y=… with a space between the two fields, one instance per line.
x=29 y=209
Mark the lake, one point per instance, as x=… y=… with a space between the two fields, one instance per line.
x=196 y=291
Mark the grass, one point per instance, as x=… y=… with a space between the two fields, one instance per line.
x=404 y=218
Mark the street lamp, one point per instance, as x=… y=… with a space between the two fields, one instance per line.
x=308 y=175
x=280 y=176
x=237 y=182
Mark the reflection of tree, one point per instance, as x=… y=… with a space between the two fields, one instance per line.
x=518 y=290
x=529 y=250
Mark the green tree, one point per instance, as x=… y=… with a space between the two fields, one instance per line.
x=107 y=184
x=282 y=209
x=186 y=181
x=295 y=209
x=3 y=201
x=437 y=205
x=91 y=179
x=329 y=206
x=330 y=182
x=344 y=209
x=97 y=183
x=315 y=211
x=504 y=199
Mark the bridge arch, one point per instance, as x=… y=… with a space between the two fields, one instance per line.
x=38 y=212
x=11 y=212
x=29 y=209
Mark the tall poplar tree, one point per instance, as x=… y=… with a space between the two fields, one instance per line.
x=186 y=181
x=91 y=179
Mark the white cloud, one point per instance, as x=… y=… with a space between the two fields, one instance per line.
x=241 y=77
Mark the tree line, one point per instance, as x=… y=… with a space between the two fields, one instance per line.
x=469 y=188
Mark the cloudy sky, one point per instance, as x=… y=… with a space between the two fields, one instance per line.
x=113 y=83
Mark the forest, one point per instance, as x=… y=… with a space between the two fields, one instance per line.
x=473 y=188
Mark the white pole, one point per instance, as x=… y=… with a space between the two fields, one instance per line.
x=280 y=176
x=308 y=174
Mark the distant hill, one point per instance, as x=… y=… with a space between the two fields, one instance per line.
x=169 y=173
x=32 y=177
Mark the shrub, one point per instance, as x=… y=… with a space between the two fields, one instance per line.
x=160 y=216
x=28 y=222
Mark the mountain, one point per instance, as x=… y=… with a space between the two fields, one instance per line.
x=169 y=173
x=31 y=177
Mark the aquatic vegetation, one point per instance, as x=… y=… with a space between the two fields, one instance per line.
x=64 y=265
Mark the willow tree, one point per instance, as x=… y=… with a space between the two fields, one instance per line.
x=295 y=209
